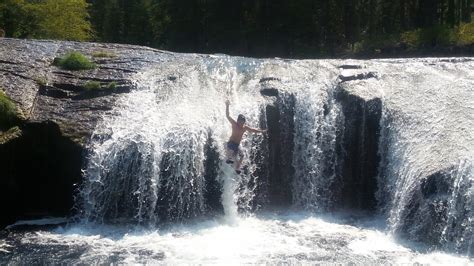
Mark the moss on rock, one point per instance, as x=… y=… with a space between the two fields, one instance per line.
x=8 y=112
x=74 y=61
x=11 y=134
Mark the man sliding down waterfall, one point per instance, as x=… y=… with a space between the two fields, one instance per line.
x=234 y=154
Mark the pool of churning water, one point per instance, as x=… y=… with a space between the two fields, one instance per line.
x=292 y=238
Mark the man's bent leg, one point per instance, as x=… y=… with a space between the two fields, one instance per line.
x=230 y=155
x=239 y=162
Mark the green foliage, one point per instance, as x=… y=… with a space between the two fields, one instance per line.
x=387 y=41
x=103 y=54
x=42 y=81
x=433 y=37
x=74 y=61
x=112 y=85
x=95 y=85
x=10 y=134
x=8 y=114
x=92 y=85
x=64 y=20
x=247 y=27
x=411 y=38
x=15 y=18
x=437 y=36
x=46 y=19
x=465 y=34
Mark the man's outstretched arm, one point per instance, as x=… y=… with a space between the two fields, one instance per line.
x=227 y=103
x=255 y=130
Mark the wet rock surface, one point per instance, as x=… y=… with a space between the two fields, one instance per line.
x=280 y=121
x=358 y=150
x=436 y=217
x=344 y=77
x=39 y=171
x=41 y=166
x=47 y=93
x=213 y=189
x=358 y=143
x=41 y=161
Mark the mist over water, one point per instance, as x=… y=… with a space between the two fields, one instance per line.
x=428 y=143
x=156 y=188
x=293 y=238
x=160 y=137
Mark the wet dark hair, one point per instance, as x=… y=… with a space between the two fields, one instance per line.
x=241 y=118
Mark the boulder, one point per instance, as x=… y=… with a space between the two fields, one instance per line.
x=47 y=93
x=349 y=66
x=280 y=125
x=41 y=166
x=357 y=150
x=439 y=211
x=213 y=188
x=349 y=76
x=40 y=170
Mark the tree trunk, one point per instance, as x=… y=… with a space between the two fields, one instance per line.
x=403 y=24
x=450 y=18
x=466 y=11
x=373 y=20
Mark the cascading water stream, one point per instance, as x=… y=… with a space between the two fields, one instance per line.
x=158 y=159
x=158 y=146
x=317 y=121
x=149 y=163
x=425 y=177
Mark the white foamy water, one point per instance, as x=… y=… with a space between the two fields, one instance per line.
x=44 y=221
x=427 y=147
x=156 y=189
x=151 y=165
x=292 y=239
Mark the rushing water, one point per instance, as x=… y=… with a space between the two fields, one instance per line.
x=428 y=150
x=150 y=163
x=267 y=239
x=156 y=189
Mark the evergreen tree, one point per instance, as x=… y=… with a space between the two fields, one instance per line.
x=16 y=20
x=64 y=20
x=48 y=19
x=244 y=27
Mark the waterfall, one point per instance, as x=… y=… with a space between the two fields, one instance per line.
x=364 y=162
x=394 y=138
x=425 y=176
x=317 y=122
x=159 y=157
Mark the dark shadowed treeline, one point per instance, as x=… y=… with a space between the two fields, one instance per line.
x=300 y=28
x=46 y=19
x=284 y=27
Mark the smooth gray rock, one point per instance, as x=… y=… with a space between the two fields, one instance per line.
x=41 y=163
x=45 y=92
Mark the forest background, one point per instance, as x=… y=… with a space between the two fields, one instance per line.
x=259 y=28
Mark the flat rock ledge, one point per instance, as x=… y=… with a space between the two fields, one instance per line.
x=44 y=92
x=42 y=157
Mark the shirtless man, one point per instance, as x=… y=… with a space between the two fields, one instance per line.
x=238 y=130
